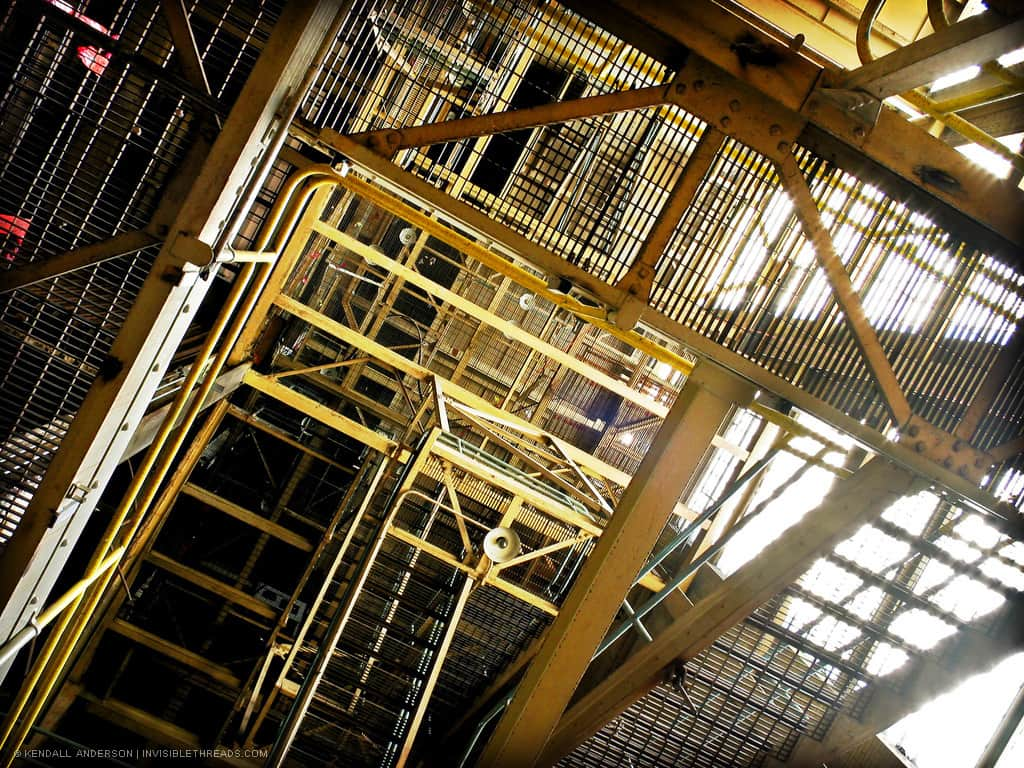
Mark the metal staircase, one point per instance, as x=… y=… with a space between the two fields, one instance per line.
x=364 y=664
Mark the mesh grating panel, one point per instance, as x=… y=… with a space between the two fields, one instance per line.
x=738 y=270
x=85 y=150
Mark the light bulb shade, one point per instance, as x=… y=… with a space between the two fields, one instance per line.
x=502 y=544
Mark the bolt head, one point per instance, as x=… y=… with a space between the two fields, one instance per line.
x=775 y=129
x=858 y=131
x=698 y=85
x=783 y=146
x=914 y=431
x=725 y=121
x=680 y=88
x=919 y=446
x=734 y=105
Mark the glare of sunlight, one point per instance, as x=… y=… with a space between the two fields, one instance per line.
x=995 y=164
x=788 y=500
x=1011 y=58
x=954 y=728
x=884 y=659
x=1010 y=485
x=955 y=78
x=667 y=373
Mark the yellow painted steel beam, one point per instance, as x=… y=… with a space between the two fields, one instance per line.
x=608 y=574
x=246 y=516
x=709 y=32
x=320 y=412
x=462 y=215
x=789 y=424
x=389 y=141
x=439 y=553
x=993 y=382
x=845 y=294
x=263 y=426
x=964 y=127
x=592 y=500
x=975 y=98
x=176 y=16
x=639 y=280
x=369 y=346
x=532 y=497
x=1006 y=451
x=522 y=493
x=527 y=279
x=84 y=256
x=211 y=584
x=510 y=329
x=174 y=651
x=361 y=401
x=154 y=728
x=851 y=502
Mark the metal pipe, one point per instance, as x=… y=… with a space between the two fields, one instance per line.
x=707 y=514
x=1004 y=732
x=44 y=674
x=496 y=710
x=867 y=20
x=937 y=17
x=671 y=586
x=26 y=634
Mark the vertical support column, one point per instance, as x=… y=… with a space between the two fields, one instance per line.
x=589 y=609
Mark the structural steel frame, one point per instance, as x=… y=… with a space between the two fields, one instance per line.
x=770 y=111
x=206 y=217
x=621 y=307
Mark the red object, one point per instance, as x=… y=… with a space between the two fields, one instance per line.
x=95 y=60
x=12 y=231
x=62 y=5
